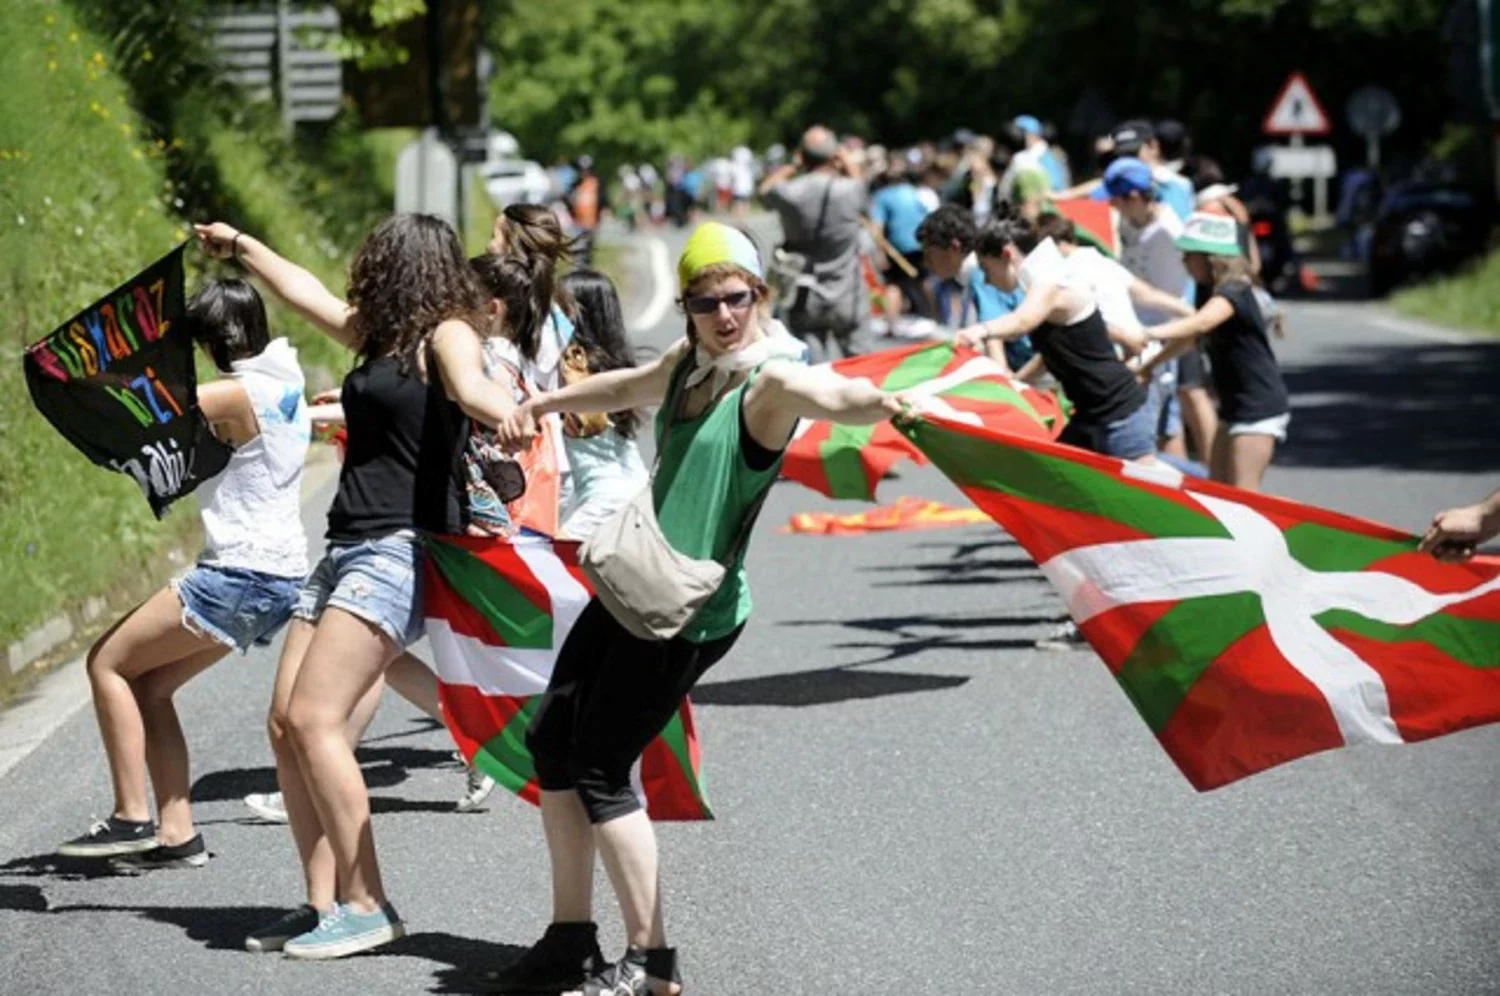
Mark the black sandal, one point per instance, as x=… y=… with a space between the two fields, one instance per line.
x=632 y=974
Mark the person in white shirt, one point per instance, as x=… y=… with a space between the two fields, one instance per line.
x=241 y=592
x=1148 y=237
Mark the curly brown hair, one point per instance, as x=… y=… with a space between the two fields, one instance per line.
x=409 y=276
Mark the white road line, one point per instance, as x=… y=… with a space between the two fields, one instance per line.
x=661 y=289
x=1432 y=333
x=26 y=726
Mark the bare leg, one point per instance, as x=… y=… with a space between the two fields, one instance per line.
x=570 y=845
x=411 y=678
x=628 y=847
x=1219 y=462
x=318 y=867
x=345 y=659
x=1201 y=419
x=149 y=637
x=166 y=748
x=1175 y=446
x=1249 y=456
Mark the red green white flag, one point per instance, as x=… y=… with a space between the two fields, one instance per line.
x=1248 y=630
x=843 y=461
x=497 y=613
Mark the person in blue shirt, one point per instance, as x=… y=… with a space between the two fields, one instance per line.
x=898 y=210
x=1036 y=144
x=960 y=291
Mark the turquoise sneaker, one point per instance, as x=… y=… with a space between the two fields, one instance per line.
x=343 y=932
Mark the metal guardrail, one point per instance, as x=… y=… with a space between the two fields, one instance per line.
x=260 y=49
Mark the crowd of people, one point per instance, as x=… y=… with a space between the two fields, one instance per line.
x=499 y=396
x=493 y=396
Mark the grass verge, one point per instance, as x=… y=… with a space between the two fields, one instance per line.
x=1467 y=300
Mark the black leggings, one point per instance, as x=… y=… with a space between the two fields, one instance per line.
x=610 y=694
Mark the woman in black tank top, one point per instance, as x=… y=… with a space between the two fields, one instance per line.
x=411 y=318
x=1071 y=339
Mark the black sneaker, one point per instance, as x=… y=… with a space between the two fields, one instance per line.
x=111 y=838
x=564 y=958
x=189 y=854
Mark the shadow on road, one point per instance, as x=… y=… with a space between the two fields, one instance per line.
x=55 y=866
x=960 y=632
x=822 y=687
x=1397 y=407
x=219 y=928
x=467 y=958
x=23 y=898
x=383 y=767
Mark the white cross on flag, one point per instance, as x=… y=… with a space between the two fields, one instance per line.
x=1248 y=630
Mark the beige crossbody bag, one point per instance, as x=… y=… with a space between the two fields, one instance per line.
x=649 y=587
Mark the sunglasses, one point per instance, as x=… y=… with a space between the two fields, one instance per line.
x=707 y=304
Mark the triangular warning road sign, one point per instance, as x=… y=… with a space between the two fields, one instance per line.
x=1296 y=110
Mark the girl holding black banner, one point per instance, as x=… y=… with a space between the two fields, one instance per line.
x=240 y=593
x=412 y=317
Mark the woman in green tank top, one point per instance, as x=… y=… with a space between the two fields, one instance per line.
x=737 y=390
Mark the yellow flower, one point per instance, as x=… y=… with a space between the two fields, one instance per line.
x=99 y=58
x=124 y=129
x=137 y=153
x=72 y=36
x=147 y=55
x=50 y=19
x=51 y=65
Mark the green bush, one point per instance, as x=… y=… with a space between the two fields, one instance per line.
x=114 y=135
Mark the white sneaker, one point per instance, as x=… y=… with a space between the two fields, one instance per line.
x=267 y=805
x=1064 y=637
x=477 y=788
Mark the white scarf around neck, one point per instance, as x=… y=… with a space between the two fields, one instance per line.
x=775 y=343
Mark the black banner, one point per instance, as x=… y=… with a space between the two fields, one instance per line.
x=117 y=380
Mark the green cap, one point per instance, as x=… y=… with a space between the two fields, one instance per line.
x=1215 y=234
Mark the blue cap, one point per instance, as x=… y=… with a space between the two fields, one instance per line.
x=1126 y=176
x=1028 y=124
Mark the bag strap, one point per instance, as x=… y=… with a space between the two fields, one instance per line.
x=823 y=211
x=677 y=400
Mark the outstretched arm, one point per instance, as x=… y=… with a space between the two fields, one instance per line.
x=459 y=355
x=1153 y=297
x=297 y=286
x=1031 y=313
x=785 y=393
x=1216 y=312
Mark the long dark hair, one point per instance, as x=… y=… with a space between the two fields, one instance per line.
x=408 y=277
x=599 y=328
x=228 y=318
x=510 y=281
x=534 y=236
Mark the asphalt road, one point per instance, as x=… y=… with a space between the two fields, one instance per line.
x=911 y=799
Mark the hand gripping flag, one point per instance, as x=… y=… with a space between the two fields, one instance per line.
x=498 y=612
x=849 y=461
x=1248 y=630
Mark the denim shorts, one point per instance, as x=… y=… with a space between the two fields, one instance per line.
x=239 y=608
x=1127 y=438
x=378 y=580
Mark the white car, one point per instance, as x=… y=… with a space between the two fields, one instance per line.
x=516 y=181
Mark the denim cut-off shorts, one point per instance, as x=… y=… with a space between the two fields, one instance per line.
x=378 y=580
x=239 y=608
